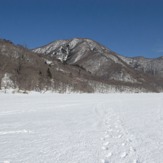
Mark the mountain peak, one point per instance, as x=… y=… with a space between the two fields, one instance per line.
x=63 y=49
x=77 y=64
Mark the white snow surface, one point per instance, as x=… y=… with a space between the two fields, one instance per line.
x=81 y=128
x=74 y=42
x=50 y=47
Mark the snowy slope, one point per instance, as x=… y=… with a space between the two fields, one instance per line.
x=99 y=60
x=152 y=66
x=77 y=65
x=92 y=57
x=52 y=128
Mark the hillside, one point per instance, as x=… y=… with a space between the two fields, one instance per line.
x=76 y=65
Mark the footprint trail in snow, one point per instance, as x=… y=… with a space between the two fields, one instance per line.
x=116 y=142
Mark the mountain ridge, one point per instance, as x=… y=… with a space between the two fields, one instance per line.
x=78 y=65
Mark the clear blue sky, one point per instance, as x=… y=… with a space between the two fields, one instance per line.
x=129 y=27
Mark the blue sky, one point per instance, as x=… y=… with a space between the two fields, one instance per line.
x=128 y=27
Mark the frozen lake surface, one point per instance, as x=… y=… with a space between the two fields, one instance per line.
x=81 y=128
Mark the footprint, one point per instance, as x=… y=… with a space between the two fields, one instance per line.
x=129 y=140
x=106 y=143
x=132 y=149
x=135 y=161
x=102 y=139
x=106 y=136
x=104 y=161
x=105 y=148
x=119 y=136
x=123 y=155
x=109 y=155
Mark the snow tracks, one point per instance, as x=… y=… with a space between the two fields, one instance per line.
x=117 y=145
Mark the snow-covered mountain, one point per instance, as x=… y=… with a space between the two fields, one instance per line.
x=92 y=57
x=103 y=62
x=81 y=65
x=150 y=66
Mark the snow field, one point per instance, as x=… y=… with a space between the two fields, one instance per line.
x=81 y=128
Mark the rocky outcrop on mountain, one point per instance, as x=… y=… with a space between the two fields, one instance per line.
x=101 y=62
x=76 y=65
x=92 y=57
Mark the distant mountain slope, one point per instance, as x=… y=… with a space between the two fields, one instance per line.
x=150 y=66
x=92 y=57
x=104 y=63
x=76 y=65
x=24 y=70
